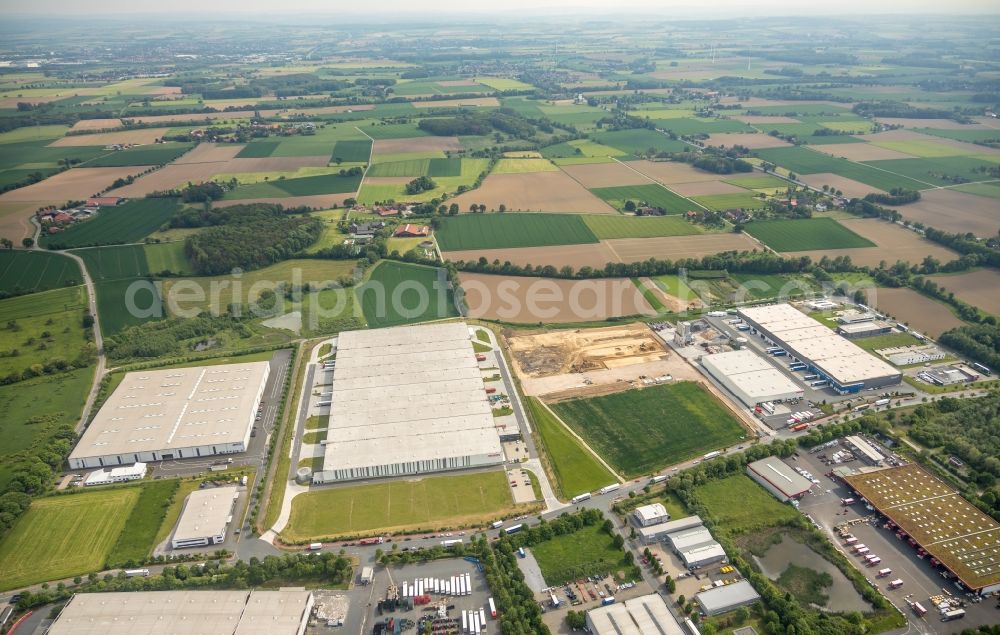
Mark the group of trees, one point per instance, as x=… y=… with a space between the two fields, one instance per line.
x=980 y=342
x=896 y=196
x=420 y=184
x=32 y=470
x=965 y=428
x=164 y=337
x=519 y=613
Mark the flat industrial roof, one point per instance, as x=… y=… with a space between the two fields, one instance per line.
x=861 y=327
x=646 y=615
x=691 y=539
x=947 y=526
x=651 y=512
x=408 y=394
x=188 y=612
x=730 y=595
x=206 y=513
x=751 y=374
x=780 y=476
x=154 y=410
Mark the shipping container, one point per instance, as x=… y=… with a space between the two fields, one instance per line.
x=919 y=609
x=882 y=402
x=482 y=619
x=468 y=584
x=454 y=541
x=800 y=427
x=850 y=539
x=863 y=550
x=955 y=614
x=490 y=390
x=874 y=561
x=136 y=573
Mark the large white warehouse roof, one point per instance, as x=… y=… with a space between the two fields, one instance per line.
x=750 y=377
x=646 y=615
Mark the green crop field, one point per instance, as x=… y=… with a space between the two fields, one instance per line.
x=115 y=263
x=805 y=234
x=576 y=470
x=126 y=223
x=418 y=503
x=445 y=167
x=801 y=160
x=137 y=540
x=932 y=170
x=394 y=131
x=822 y=140
x=928 y=148
x=757 y=181
x=805 y=161
x=694 y=125
x=63 y=536
x=159 y=154
x=492 y=231
x=739 y=505
x=970 y=136
x=639 y=141
x=258 y=149
x=31 y=271
x=606 y=226
x=721 y=202
x=652 y=194
x=352 y=150
x=991 y=190
x=113 y=310
x=170 y=257
x=46 y=325
x=643 y=430
x=302 y=186
x=38 y=154
x=588 y=551
x=399 y=293
x=675 y=286
x=411 y=167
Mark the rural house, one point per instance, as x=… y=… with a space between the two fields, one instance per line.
x=412 y=231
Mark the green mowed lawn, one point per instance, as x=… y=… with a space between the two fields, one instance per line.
x=126 y=223
x=640 y=431
x=302 y=186
x=23 y=271
x=258 y=149
x=162 y=257
x=639 y=140
x=138 y=538
x=412 y=167
x=652 y=194
x=585 y=552
x=576 y=470
x=400 y=293
x=158 y=154
x=352 y=150
x=420 y=503
x=63 y=536
x=720 y=202
x=492 y=231
x=46 y=326
x=736 y=504
x=805 y=234
x=606 y=226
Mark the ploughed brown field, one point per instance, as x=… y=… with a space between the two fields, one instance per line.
x=534 y=192
x=209 y=153
x=978 y=288
x=272 y=164
x=142 y=135
x=605 y=175
x=706 y=188
x=860 y=152
x=97 y=124
x=316 y=201
x=15 y=215
x=677 y=247
x=954 y=211
x=532 y=300
x=752 y=140
x=671 y=172
x=918 y=311
x=893 y=243
x=850 y=187
x=72 y=185
x=416 y=144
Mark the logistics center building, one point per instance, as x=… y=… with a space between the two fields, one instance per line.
x=835 y=359
x=178 y=413
x=750 y=377
x=206 y=517
x=408 y=400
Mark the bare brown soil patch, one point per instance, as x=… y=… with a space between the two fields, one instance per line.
x=457 y=82
x=97 y=124
x=534 y=191
x=209 y=153
x=168 y=177
x=417 y=144
x=15 y=215
x=764 y=119
x=860 y=152
x=272 y=164
x=677 y=247
x=671 y=302
x=752 y=140
x=452 y=103
x=604 y=175
x=912 y=135
x=706 y=188
x=315 y=201
x=671 y=172
x=144 y=135
x=529 y=300
x=978 y=288
x=940 y=124
x=71 y=185
x=954 y=212
x=918 y=311
x=893 y=242
x=576 y=256
x=850 y=187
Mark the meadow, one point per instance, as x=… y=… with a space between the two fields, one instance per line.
x=721 y=202
x=158 y=154
x=32 y=271
x=930 y=171
x=126 y=223
x=399 y=293
x=576 y=470
x=41 y=327
x=588 y=551
x=166 y=257
x=640 y=431
x=687 y=126
x=606 y=226
x=639 y=141
x=805 y=234
x=352 y=150
x=63 y=536
x=137 y=539
x=491 y=231
x=426 y=503
x=652 y=195
x=258 y=149
x=740 y=505
x=302 y=186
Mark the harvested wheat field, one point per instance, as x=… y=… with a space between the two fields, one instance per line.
x=677 y=247
x=169 y=177
x=918 y=311
x=322 y=110
x=706 y=188
x=416 y=144
x=200 y=117
x=959 y=147
x=953 y=211
x=850 y=187
x=939 y=124
x=72 y=185
x=97 y=124
x=457 y=82
x=535 y=192
x=892 y=242
x=526 y=300
x=14 y=218
x=860 y=152
x=315 y=201
x=271 y=164
x=209 y=153
x=576 y=256
x=671 y=172
x=978 y=288
x=764 y=119
x=752 y=140
x=486 y=102
x=143 y=136
x=604 y=175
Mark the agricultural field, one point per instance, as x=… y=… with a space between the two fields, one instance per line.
x=114 y=270
x=127 y=223
x=138 y=538
x=953 y=211
x=802 y=160
x=63 y=536
x=427 y=503
x=352 y=150
x=610 y=174
x=605 y=227
x=76 y=184
x=978 y=288
x=581 y=149
x=115 y=262
x=892 y=243
x=396 y=293
x=721 y=202
x=639 y=141
x=33 y=271
x=576 y=470
x=302 y=186
x=917 y=311
x=678 y=247
x=520 y=166
x=160 y=154
x=805 y=234
x=757 y=182
x=41 y=327
x=536 y=192
x=490 y=231
x=167 y=257
x=652 y=195
x=587 y=551
x=640 y=431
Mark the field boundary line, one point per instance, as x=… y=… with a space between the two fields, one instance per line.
x=582 y=442
x=607 y=243
x=902 y=176
x=660 y=183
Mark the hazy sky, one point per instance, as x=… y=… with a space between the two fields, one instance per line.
x=666 y=8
